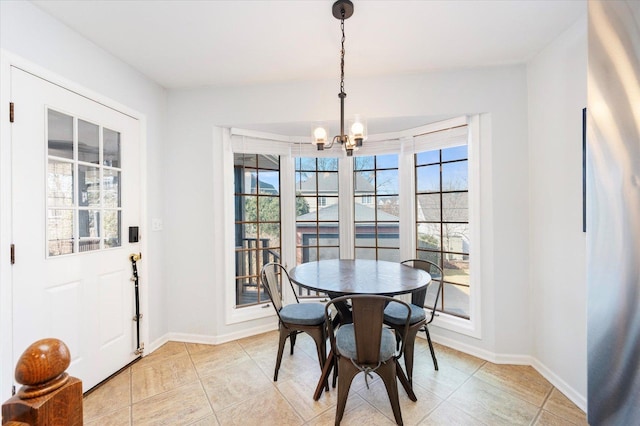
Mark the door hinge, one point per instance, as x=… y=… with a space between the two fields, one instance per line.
x=13 y=390
x=11 y=113
x=13 y=254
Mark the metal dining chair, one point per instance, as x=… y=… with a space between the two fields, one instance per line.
x=420 y=319
x=293 y=318
x=365 y=346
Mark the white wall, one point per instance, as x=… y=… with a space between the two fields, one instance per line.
x=557 y=89
x=33 y=35
x=194 y=176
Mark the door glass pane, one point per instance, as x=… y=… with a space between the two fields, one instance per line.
x=112 y=235
x=88 y=142
x=59 y=231
x=88 y=186
x=329 y=253
x=111 y=147
x=60 y=184
x=111 y=188
x=89 y=229
x=60 y=134
x=269 y=209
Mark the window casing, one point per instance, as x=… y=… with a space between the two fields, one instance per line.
x=405 y=145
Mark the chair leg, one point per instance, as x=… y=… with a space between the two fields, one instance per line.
x=387 y=372
x=283 y=337
x=292 y=340
x=347 y=372
x=433 y=353
x=408 y=352
x=408 y=388
x=320 y=338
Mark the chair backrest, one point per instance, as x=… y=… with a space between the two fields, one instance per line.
x=274 y=276
x=368 y=315
x=437 y=277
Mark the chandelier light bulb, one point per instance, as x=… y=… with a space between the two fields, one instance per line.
x=320 y=135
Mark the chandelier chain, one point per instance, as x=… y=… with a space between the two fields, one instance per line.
x=342 y=55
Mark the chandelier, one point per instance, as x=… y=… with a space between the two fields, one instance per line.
x=342 y=9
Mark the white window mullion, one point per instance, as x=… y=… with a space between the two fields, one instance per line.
x=346 y=213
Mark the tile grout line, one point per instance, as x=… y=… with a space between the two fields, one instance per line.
x=541 y=409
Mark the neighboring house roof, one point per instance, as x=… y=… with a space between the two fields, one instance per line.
x=362 y=212
x=328 y=183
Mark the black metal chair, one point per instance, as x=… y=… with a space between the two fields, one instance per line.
x=366 y=346
x=293 y=318
x=420 y=319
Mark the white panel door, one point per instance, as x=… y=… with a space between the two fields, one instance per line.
x=75 y=192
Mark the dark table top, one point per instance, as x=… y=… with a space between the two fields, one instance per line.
x=360 y=276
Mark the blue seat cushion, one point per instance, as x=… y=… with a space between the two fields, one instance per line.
x=303 y=313
x=346 y=342
x=396 y=314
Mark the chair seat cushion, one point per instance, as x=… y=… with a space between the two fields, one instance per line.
x=346 y=342
x=303 y=313
x=396 y=314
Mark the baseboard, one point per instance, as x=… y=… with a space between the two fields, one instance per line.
x=575 y=396
x=206 y=339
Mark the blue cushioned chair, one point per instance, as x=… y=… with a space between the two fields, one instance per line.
x=420 y=319
x=365 y=346
x=293 y=318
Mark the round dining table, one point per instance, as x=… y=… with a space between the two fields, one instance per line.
x=338 y=277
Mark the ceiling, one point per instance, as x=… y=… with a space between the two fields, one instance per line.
x=184 y=44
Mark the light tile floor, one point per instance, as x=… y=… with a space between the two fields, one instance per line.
x=231 y=384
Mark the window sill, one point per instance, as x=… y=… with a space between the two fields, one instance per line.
x=237 y=315
x=458 y=325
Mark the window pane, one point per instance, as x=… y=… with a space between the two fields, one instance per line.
x=329 y=253
x=328 y=164
x=365 y=234
x=429 y=236
x=389 y=208
x=268 y=182
x=457 y=270
x=60 y=232
x=60 y=134
x=88 y=186
x=390 y=255
x=431 y=256
x=455 y=207
x=306 y=183
x=269 y=235
x=246 y=235
x=363 y=183
x=388 y=235
x=112 y=226
x=456 y=300
x=331 y=211
x=363 y=212
x=428 y=178
x=89 y=230
x=387 y=182
x=327 y=183
x=455 y=176
x=389 y=161
x=88 y=142
x=269 y=162
x=111 y=187
x=456 y=237
x=365 y=253
x=60 y=184
x=428 y=157
x=246 y=208
x=455 y=153
x=111 y=144
x=306 y=163
x=428 y=208
x=309 y=254
x=363 y=163
x=269 y=209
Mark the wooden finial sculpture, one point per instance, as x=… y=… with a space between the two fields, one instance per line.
x=49 y=396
